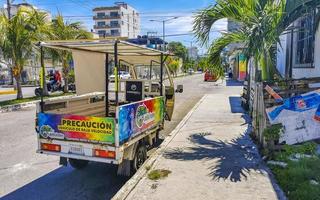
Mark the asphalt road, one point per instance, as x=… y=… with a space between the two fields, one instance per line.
x=27 y=175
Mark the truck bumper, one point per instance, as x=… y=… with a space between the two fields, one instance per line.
x=80 y=157
x=86 y=152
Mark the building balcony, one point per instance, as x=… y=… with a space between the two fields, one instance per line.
x=106 y=26
x=106 y=17
x=109 y=35
x=114 y=26
x=101 y=26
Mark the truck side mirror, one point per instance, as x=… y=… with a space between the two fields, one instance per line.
x=179 y=88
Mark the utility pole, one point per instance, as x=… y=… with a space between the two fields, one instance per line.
x=163 y=29
x=9 y=8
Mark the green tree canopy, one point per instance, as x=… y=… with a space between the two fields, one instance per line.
x=178 y=49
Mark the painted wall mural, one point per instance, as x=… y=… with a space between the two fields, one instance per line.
x=137 y=117
x=300 y=116
x=242 y=67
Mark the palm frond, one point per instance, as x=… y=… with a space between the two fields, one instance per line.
x=219 y=44
x=242 y=12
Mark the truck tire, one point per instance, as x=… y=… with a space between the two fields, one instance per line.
x=139 y=158
x=78 y=164
x=157 y=140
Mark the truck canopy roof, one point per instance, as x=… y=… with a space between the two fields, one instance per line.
x=127 y=51
x=89 y=58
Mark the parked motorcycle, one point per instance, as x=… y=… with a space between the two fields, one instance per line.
x=52 y=87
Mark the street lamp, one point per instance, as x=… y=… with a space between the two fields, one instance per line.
x=163 y=28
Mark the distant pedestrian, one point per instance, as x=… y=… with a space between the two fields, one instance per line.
x=230 y=74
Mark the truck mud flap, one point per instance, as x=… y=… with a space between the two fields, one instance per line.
x=63 y=161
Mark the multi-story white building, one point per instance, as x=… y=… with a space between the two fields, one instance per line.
x=120 y=20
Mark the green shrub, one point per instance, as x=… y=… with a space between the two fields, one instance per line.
x=295 y=178
x=158 y=174
x=273 y=132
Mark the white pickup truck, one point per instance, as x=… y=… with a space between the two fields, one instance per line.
x=107 y=122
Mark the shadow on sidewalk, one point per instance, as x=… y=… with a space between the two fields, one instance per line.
x=235 y=105
x=236 y=158
x=231 y=82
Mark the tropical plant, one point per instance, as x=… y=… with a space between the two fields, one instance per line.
x=18 y=36
x=173 y=65
x=64 y=30
x=261 y=24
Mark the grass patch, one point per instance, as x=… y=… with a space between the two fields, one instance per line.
x=148 y=168
x=25 y=100
x=158 y=174
x=295 y=179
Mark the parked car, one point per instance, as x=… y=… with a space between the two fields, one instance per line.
x=190 y=71
x=123 y=75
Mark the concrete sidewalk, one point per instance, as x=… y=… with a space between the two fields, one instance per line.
x=211 y=157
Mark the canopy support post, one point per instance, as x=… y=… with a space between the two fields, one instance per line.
x=43 y=80
x=116 y=65
x=161 y=74
x=106 y=98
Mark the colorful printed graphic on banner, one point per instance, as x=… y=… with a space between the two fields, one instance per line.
x=137 y=117
x=300 y=116
x=75 y=127
x=242 y=67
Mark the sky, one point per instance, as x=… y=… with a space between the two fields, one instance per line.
x=81 y=10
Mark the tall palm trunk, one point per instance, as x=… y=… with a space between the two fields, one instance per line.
x=264 y=66
x=65 y=73
x=18 y=85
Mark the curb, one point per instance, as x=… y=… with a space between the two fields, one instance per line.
x=16 y=107
x=8 y=92
x=126 y=189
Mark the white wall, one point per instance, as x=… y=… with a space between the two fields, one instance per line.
x=281 y=55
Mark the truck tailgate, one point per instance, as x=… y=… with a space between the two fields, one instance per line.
x=76 y=128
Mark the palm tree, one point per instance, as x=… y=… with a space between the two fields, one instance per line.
x=62 y=30
x=261 y=24
x=17 y=40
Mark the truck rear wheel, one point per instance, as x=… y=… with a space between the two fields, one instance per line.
x=78 y=164
x=139 y=158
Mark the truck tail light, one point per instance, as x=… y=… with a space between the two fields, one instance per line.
x=104 y=153
x=50 y=147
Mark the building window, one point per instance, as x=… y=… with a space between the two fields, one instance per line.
x=101 y=14
x=102 y=33
x=304 y=41
x=115 y=32
x=114 y=14
x=114 y=23
x=101 y=23
x=122 y=22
